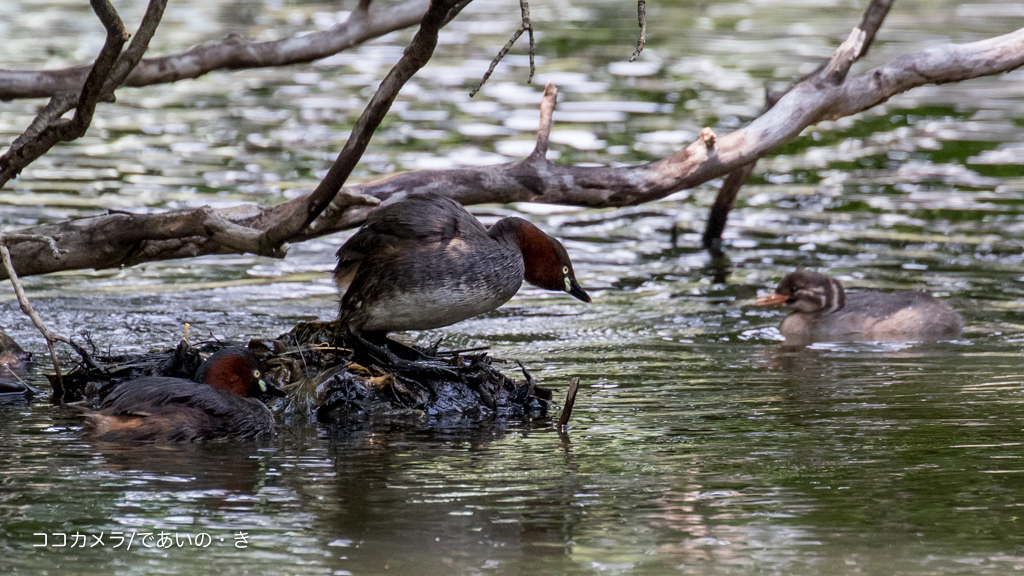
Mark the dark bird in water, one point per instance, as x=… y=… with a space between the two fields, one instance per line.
x=12 y=356
x=222 y=404
x=425 y=262
x=822 y=309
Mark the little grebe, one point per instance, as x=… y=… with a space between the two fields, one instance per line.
x=160 y=409
x=12 y=356
x=822 y=309
x=425 y=262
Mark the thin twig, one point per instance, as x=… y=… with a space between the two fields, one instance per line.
x=317 y=348
x=526 y=374
x=525 y=26
x=26 y=307
x=8 y=266
x=462 y=351
x=529 y=378
x=11 y=238
x=12 y=374
x=641 y=15
x=229 y=53
x=108 y=72
x=525 y=8
x=547 y=112
x=570 y=400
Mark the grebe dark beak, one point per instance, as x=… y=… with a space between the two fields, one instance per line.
x=270 y=389
x=576 y=292
x=773 y=299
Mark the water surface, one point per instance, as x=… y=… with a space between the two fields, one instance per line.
x=700 y=444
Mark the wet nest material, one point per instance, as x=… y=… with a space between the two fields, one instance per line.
x=333 y=378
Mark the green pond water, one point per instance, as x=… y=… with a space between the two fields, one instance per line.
x=700 y=444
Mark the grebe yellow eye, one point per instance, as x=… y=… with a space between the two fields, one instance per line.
x=565 y=270
x=255 y=373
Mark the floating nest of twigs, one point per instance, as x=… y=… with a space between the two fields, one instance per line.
x=334 y=379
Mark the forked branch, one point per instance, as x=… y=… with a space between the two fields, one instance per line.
x=230 y=53
x=838 y=67
x=416 y=55
x=92 y=242
x=525 y=26
x=50 y=128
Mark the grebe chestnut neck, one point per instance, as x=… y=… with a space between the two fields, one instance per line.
x=223 y=404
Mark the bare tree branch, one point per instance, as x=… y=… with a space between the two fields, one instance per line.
x=126 y=232
x=455 y=10
x=416 y=55
x=525 y=26
x=96 y=242
x=66 y=101
x=47 y=128
x=718 y=215
x=15 y=238
x=874 y=16
x=26 y=307
x=58 y=130
x=231 y=53
x=570 y=401
x=131 y=56
x=844 y=57
x=641 y=16
x=108 y=71
x=547 y=113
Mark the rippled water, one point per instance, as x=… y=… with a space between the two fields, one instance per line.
x=700 y=444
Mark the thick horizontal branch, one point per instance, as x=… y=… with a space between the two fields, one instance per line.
x=123 y=239
x=231 y=53
x=84 y=245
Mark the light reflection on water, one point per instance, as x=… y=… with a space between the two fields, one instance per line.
x=700 y=444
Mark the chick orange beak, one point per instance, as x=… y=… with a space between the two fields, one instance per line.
x=773 y=299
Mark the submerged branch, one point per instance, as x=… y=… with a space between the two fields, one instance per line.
x=570 y=401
